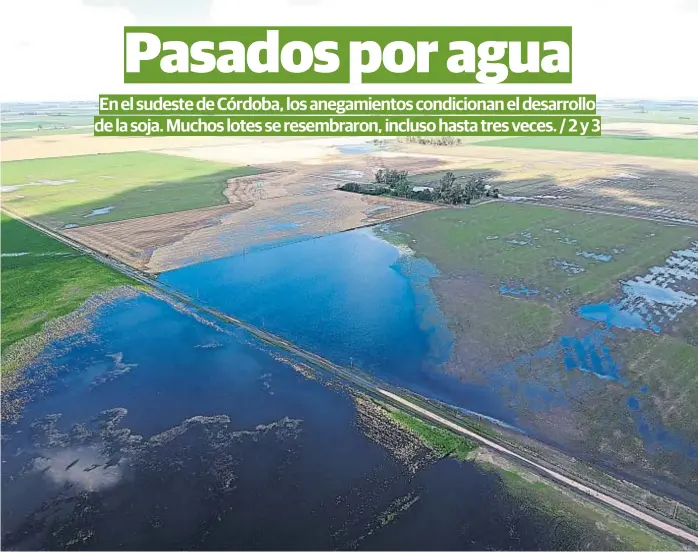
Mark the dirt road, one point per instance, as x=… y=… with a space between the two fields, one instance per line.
x=601 y=497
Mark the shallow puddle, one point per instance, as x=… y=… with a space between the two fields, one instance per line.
x=100 y=211
x=654 y=300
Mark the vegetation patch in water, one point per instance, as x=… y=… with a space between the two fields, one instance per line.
x=442 y=441
x=455 y=240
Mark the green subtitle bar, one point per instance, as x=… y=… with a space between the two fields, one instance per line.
x=367 y=125
x=480 y=104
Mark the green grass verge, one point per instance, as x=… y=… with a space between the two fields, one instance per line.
x=680 y=148
x=49 y=281
x=133 y=184
x=508 y=242
x=438 y=439
x=563 y=506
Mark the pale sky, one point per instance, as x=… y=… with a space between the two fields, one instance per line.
x=73 y=49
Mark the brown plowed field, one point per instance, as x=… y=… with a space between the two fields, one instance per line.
x=648 y=187
x=133 y=241
x=290 y=202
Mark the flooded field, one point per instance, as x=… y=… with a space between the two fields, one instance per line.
x=288 y=202
x=502 y=327
x=575 y=332
x=161 y=429
x=352 y=297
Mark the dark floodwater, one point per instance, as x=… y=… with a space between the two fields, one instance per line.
x=163 y=432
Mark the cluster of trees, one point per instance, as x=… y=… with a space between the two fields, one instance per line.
x=454 y=191
x=450 y=189
x=443 y=141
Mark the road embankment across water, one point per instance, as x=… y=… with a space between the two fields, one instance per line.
x=422 y=408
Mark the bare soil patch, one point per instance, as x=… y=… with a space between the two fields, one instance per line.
x=651 y=129
x=133 y=241
x=290 y=202
x=280 y=220
x=647 y=187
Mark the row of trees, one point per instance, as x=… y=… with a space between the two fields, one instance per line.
x=450 y=189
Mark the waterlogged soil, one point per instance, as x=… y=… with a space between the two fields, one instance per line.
x=520 y=354
x=475 y=312
x=166 y=430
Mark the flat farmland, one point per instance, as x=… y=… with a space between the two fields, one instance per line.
x=647 y=187
x=576 y=327
x=586 y=323
x=158 y=212
x=134 y=241
x=85 y=190
x=21 y=121
x=626 y=129
x=650 y=112
x=287 y=203
x=216 y=148
x=678 y=148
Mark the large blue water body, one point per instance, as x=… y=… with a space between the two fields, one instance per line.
x=360 y=301
x=352 y=298
x=163 y=432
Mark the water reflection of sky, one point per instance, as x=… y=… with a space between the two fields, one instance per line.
x=166 y=423
x=360 y=301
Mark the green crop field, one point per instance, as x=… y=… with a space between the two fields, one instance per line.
x=543 y=246
x=26 y=126
x=43 y=279
x=91 y=189
x=18 y=134
x=647 y=111
x=680 y=148
x=512 y=277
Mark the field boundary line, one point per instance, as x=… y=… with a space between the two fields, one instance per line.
x=600 y=211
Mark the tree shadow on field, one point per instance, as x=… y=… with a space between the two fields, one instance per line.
x=154 y=198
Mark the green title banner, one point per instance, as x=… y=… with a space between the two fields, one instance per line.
x=489 y=55
x=327 y=104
